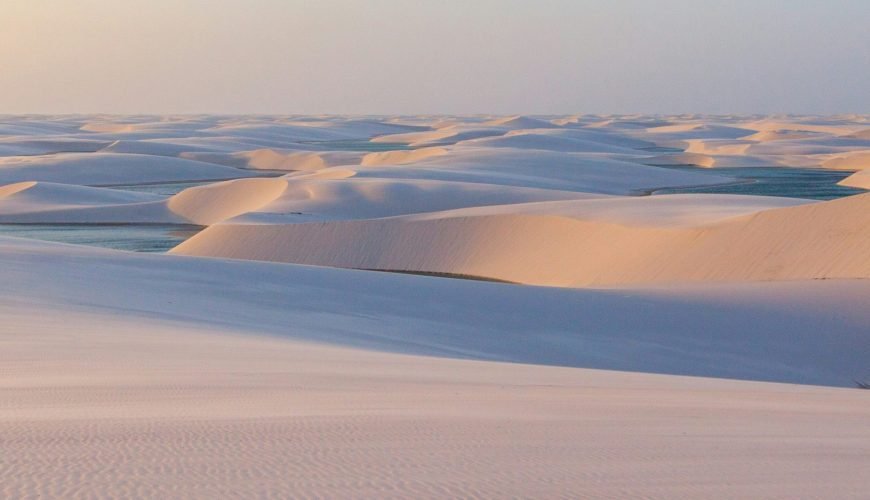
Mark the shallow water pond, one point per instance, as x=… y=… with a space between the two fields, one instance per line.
x=816 y=184
x=132 y=237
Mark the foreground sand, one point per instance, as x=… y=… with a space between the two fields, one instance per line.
x=120 y=407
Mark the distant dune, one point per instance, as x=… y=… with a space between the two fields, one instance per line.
x=313 y=338
x=821 y=240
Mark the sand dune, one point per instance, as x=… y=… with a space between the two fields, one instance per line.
x=718 y=146
x=761 y=331
x=860 y=179
x=441 y=136
x=40 y=193
x=800 y=125
x=29 y=146
x=271 y=159
x=108 y=169
x=179 y=376
x=541 y=169
x=166 y=409
x=816 y=241
x=519 y=122
x=216 y=202
x=320 y=198
x=567 y=140
x=45 y=202
x=696 y=159
x=857 y=160
x=401 y=157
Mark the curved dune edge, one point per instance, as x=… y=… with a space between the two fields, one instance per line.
x=332 y=173
x=696 y=159
x=14 y=188
x=779 y=135
x=269 y=159
x=401 y=157
x=519 y=122
x=860 y=180
x=727 y=147
x=815 y=241
x=214 y=203
x=367 y=198
x=858 y=160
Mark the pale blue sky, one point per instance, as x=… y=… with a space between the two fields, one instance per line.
x=435 y=56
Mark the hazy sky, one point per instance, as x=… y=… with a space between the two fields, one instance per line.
x=434 y=56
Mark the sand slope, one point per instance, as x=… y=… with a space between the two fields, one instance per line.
x=216 y=202
x=820 y=240
x=762 y=331
x=45 y=202
x=180 y=376
x=108 y=168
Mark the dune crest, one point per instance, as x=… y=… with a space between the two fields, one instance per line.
x=401 y=157
x=697 y=159
x=815 y=241
x=858 y=160
x=860 y=180
x=214 y=203
x=520 y=122
x=11 y=189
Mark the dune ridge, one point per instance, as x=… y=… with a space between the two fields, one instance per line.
x=216 y=202
x=697 y=345
x=815 y=241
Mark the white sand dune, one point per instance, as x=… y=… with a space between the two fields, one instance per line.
x=168 y=410
x=519 y=122
x=860 y=179
x=857 y=160
x=153 y=369
x=812 y=124
x=220 y=201
x=401 y=157
x=45 y=202
x=41 y=202
x=566 y=140
x=47 y=193
x=782 y=135
x=108 y=169
x=816 y=241
x=180 y=376
x=279 y=132
x=697 y=130
x=718 y=146
x=271 y=159
x=696 y=159
x=542 y=169
x=762 y=331
x=319 y=198
x=441 y=136
x=29 y=146
x=150 y=147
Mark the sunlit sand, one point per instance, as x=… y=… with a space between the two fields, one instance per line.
x=704 y=344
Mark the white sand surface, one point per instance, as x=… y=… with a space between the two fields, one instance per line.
x=594 y=173
x=582 y=243
x=46 y=202
x=108 y=168
x=373 y=198
x=119 y=382
x=685 y=346
x=860 y=179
